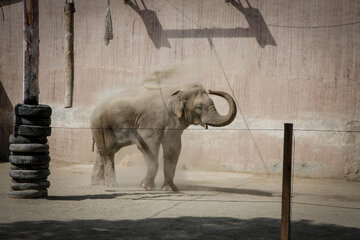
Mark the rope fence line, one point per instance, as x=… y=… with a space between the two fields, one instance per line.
x=221 y=129
x=274 y=25
x=315 y=27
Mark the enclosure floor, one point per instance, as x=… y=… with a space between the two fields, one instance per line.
x=210 y=205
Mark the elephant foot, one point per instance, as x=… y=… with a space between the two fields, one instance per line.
x=112 y=184
x=97 y=182
x=169 y=187
x=147 y=186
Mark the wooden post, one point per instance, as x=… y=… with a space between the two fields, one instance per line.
x=31 y=52
x=69 y=10
x=286 y=183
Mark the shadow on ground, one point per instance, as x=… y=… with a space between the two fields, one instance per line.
x=173 y=228
x=136 y=196
x=225 y=190
x=145 y=194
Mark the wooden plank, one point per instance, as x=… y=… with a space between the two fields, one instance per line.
x=31 y=52
x=286 y=184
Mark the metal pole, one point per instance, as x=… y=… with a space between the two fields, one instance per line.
x=286 y=183
x=69 y=10
x=31 y=52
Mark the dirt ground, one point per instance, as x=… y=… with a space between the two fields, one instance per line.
x=210 y=205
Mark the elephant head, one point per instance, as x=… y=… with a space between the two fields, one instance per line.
x=194 y=106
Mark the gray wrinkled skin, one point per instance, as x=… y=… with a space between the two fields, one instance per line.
x=150 y=118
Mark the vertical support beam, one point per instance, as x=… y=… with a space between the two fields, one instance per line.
x=286 y=183
x=31 y=52
x=69 y=10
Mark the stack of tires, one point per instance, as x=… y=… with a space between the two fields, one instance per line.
x=29 y=159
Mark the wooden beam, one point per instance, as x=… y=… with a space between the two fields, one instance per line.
x=31 y=52
x=286 y=182
x=69 y=10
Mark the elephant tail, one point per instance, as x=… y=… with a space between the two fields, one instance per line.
x=98 y=137
x=93 y=145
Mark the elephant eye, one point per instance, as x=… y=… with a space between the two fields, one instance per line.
x=198 y=107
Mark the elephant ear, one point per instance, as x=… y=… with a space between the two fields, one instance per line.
x=175 y=104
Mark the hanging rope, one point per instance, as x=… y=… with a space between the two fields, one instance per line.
x=108 y=25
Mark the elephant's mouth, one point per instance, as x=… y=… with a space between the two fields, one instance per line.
x=199 y=122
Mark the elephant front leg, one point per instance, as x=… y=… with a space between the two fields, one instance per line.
x=151 y=159
x=148 y=183
x=150 y=151
x=171 y=151
x=97 y=177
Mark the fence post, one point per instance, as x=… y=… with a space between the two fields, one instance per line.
x=31 y=51
x=286 y=182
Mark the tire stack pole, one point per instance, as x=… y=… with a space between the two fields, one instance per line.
x=29 y=159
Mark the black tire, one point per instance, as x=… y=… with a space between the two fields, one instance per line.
x=32 y=131
x=29 y=147
x=37 y=111
x=32 y=121
x=28 y=167
x=28 y=194
x=33 y=185
x=29 y=174
x=30 y=153
x=24 y=139
x=28 y=181
x=32 y=160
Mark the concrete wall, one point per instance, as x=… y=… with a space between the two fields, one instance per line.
x=284 y=61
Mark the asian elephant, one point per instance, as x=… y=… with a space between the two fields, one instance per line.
x=150 y=118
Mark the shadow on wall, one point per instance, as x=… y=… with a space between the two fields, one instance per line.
x=4 y=3
x=6 y=110
x=160 y=37
x=8 y=2
x=173 y=228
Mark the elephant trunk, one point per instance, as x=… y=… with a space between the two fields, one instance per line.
x=214 y=118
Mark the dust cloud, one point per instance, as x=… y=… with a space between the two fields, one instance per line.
x=186 y=72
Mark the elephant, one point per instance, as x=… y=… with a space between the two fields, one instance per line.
x=150 y=118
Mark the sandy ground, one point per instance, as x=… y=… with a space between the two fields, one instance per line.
x=210 y=205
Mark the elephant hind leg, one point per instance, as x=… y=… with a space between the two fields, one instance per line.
x=109 y=170
x=98 y=177
x=104 y=169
